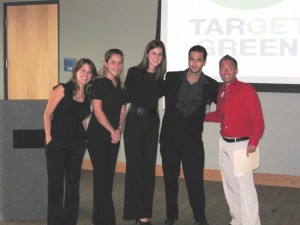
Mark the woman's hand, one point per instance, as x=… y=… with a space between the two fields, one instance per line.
x=48 y=139
x=115 y=136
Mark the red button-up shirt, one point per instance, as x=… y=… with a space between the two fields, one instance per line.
x=239 y=112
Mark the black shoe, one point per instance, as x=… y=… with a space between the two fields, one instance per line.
x=202 y=223
x=169 y=221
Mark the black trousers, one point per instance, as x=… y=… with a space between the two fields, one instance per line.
x=64 y=161
x=140 y=138
x=192 y=159
x=103 y=156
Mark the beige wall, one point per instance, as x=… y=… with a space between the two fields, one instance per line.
x=88 y=28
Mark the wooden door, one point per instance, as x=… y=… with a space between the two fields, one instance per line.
x=32 y=50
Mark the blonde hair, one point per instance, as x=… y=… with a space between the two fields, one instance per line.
x=102 y=72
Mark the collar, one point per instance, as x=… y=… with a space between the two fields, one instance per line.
x=234 y=84
x=202 y=79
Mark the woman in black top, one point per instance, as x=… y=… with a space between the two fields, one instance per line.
x=104 y=133
x=144 y=88
x=64 y=120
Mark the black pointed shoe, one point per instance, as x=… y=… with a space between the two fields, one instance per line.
x=202 y=223
x=169 y=221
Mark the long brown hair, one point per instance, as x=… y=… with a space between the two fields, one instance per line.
x=161 y=68
x=78 y=65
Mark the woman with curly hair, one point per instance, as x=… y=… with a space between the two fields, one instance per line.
x=65 y=133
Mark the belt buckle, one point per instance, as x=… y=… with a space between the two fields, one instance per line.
x=140 y=111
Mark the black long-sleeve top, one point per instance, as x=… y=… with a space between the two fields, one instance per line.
x=142 y=88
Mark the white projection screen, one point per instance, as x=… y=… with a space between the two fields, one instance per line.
x=264 y=37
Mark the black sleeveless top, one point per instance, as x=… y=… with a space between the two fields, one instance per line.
x=66 y=124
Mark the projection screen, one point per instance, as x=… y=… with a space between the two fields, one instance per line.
x=264 y=37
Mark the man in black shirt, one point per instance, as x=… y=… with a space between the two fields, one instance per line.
x=186 y=95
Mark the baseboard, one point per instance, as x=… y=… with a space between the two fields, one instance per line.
x=215 y=175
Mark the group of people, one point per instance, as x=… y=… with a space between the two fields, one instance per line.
x=105 y=94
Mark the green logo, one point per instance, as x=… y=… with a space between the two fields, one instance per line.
x=246 y=4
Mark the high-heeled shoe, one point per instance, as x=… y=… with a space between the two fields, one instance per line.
x=142 y=223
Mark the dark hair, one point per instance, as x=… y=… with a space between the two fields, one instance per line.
x=161 y=68
x=107 y=56
x=78 y=65
x=199 y=48
x=230 y=58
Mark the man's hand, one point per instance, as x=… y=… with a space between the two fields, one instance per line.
x=250 y=149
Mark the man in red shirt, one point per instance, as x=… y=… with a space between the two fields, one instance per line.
x=242 y=125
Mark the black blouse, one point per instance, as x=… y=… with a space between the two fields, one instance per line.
x=112 y=100
x=142 y=89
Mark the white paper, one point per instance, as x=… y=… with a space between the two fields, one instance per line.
x=243 y=164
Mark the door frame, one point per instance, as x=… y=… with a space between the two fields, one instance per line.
x=5 y=6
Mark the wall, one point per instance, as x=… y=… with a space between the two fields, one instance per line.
x=88 y=28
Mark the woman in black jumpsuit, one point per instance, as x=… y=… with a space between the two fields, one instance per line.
x=144 y=88
x=64 y=116
x=104 y=133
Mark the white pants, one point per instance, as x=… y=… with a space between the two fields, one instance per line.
x=240 y=190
